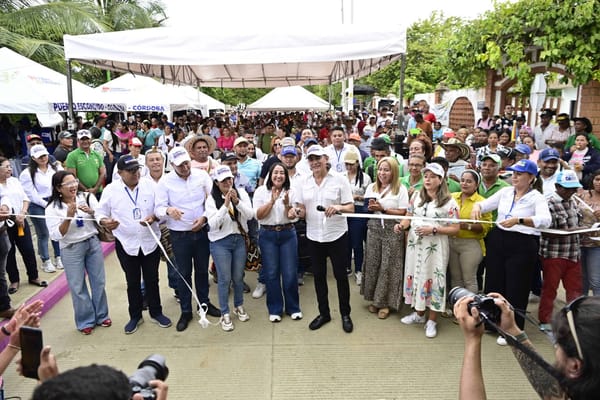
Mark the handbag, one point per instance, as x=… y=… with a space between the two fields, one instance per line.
x=104 y=234
x=253 y=257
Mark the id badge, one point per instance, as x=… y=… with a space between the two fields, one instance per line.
x=339 y=168
x=137 y=214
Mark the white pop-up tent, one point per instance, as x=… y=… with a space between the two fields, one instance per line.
x=293 y=98
x=256 y=55
x=145 y=94
x=27 y=87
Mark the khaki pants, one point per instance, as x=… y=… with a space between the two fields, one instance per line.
x=465 y=256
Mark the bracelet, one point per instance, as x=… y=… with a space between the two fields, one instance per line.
x=434 y=231
x=521 y=337
x=5 y=331
x=12 y=346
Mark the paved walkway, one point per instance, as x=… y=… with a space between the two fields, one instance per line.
x=382 y=359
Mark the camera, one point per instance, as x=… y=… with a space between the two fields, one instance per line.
x=484 y=304
x=153 y=367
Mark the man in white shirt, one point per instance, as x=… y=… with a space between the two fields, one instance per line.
x=321 y=198
x=127 y=208
x=338 y=149
x=544 y=130
x=180 y=198
x=548 y=164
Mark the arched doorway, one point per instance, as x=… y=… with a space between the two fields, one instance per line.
x=461 y=113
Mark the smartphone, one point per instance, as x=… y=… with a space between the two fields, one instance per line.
x=31 y=347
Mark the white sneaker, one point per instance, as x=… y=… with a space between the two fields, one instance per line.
x=241 y=313
x=501 y=341
x=48 y=267
x=274 y=318
x=431 y=329
x=226 y=323
x=58 y=262
x=413 y=318
x=358 y=277
x=297 y=316
x=259 y=291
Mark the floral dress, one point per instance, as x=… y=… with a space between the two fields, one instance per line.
x=427 y=257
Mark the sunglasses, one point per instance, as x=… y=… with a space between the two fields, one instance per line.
x=568 y=311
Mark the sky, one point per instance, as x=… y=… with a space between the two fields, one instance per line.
x=195 y=13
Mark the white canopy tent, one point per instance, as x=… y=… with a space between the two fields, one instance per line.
x=256 y=55
x=145 y=94
x=27 y=87
x=293 y=98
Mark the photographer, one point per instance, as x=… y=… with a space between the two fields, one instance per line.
x=577 y=350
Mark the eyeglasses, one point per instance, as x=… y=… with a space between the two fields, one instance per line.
x=70 y=183
x=277 y=145
x=568 y=310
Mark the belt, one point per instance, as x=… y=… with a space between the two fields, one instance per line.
x=277 y=228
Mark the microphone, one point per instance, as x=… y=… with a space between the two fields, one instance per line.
x=321 y=208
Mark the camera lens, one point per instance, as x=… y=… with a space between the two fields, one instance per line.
x=458 y=293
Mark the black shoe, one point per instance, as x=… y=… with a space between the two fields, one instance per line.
x=246 y=287
x=145 y=304
x=183 y=322
x=347 y=324
x=319 y=322
x=213 y=311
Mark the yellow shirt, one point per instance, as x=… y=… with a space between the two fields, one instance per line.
x=465 y=213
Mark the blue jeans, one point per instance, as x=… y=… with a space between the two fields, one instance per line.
x=357 y=234
x=191 y=251
x=280 y=267
x=80 y=259
x=41 y=230
x=229 y=254
x=590 y=268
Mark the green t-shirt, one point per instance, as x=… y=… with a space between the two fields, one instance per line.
x=406 y=183
x=453 y=186
x=87 y=167
x=499 y=184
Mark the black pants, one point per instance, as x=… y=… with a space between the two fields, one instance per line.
x=4 y=246
x=136 y=267
x=25 y=246
x=337 y=251
x=510 y=260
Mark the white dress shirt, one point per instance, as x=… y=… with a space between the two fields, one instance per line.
x=278 y=214
x=119 y=203
x=75 y=234
x=187 y=195
x=532 y=205
x=13 y=190
x=42 y=187
x=219 y=220
x=336 y=157
x=334 y=189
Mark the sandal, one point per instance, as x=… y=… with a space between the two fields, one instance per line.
x=13 y=288
x=373 y=309
x=383 y=313
x=37 y=282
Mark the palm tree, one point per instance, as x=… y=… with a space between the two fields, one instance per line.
x=35 y=30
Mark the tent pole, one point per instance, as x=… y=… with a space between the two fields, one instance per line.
x=71 y=117
x=402 y=71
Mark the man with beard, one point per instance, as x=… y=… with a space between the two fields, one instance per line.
x=548 y=165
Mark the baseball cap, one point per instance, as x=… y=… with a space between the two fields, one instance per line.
x=103 y=115
x=435 y=168
x=316 y=150
x=33 y=136
x=65 y=135
x=84 y=133
x=228 y=156
x=223 y=172
x=355 y=136
x=568 y=179
x=506 y=152
x=240 y=140
x=494 y=157
x=562 y=117
x=549 y=154
x=350 y=157
x=135 y=142
x=524 y=166
x=127 y=162
x=310 y=141
x=178 y=155
x=288 y=141
x=523 y=149
x=38 y=151
x=385 y=138
x=289 y=150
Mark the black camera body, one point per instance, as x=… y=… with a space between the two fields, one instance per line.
x=153 y=367
x=484 y=304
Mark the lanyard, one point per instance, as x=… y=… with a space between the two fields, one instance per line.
x=514 y=202
x=137 y=191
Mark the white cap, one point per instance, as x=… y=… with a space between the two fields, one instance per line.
x=315 y=150
x=178 y=155
x=435 y=168
x=223 y=172
x=38 y=150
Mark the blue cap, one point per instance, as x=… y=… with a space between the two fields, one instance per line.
x=549 y=154
x=568 y=179
x=310 y=141
x=524 y=166
x=523 y=149
x=289 y=150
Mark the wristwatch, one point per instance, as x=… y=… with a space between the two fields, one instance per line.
x=434 y=231
x=522 y=221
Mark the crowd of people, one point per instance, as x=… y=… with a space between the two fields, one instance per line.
x=448 y=208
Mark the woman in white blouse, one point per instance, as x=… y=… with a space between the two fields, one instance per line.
x=70 y=221
x=384 y=256
x=37 y=183
x=277 y=240
x=513 y=244
x=228 y=210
